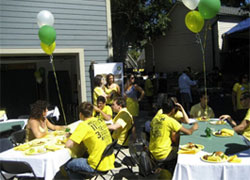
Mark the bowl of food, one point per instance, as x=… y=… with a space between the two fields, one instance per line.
x=215 y=157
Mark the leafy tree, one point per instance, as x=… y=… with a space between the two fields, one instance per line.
x=135 y=22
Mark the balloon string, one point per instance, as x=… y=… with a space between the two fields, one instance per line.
x=57 y=87
x=203 y=46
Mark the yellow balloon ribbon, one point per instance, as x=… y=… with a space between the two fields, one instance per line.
x=48 y=49
x=194 y=21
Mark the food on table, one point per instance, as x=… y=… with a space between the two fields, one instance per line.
x=59 y=133
x=61 y=141
x=203 y=118
x=215 y=157
x=224 y=133
x=234 y=159
x=35 y=150
x=191 y=146
x=52 y=147
x=37 y=142
x=219 y=122
x=22 y=147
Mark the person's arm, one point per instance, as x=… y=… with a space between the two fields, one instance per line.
x=189 y=131
x=114 y=126
x=69 y=144
x=138 y=88
x=185 y=118
x=229 y=118
x=34 y=125
x=118 y=89
x=242 y=126
x=54 y=127
x=106 y=116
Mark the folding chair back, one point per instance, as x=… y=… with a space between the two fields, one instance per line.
x=5 y=144
x=109 y=150
x=15 y=167
x=18 y=137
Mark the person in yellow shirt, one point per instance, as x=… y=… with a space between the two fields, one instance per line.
x=202 y=110
x=162 y=127
x=102 y=111
x=99 y=89
x=95 y=136
x=122 y=122
x=244 y=127
x=240 y=87
x=112 y=89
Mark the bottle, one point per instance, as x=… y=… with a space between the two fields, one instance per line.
x=208 y=132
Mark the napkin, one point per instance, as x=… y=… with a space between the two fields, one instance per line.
x=228 y=131
x=234 y=159
x=194 y=151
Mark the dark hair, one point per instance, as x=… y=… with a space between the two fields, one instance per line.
x=37 y=109
x=202 y=93
x=242 y=76
x=168 y=105
x=107 y=77
x=98 y=80
x=86 y=108
x=101 y=99
x=120 y=101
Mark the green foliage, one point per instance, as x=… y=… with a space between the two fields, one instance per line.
x=135 y=22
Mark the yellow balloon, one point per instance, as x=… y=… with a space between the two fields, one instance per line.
x=194 y=21
x=48 y=49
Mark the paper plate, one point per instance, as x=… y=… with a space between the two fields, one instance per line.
x=202 y=120
x=22 y=147
x=222 y=160
x=185 y=147
x=217 y=122
x=37 y=143
x=35 y=151
x=52 y=147
x=223 y=136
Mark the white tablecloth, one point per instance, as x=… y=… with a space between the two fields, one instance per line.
x=44 y=165
x=191 y=167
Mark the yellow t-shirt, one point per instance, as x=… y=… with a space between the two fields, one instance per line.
x=239 y=89
x=95 y=136
x=125 y=119
x=160 y=135
x=107 y=110
x=114 y=92
x=246 y=132
x=98 y=91
x=197 y=111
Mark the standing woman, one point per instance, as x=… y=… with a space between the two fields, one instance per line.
x=131 y=90
x=99 y=89
x=38 y=124
x=111 y=89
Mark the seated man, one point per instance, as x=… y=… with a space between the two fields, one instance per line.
x=202 y=110
x=244 y=127
x=122 y=122
x=102 y=111
x=95 y=136
x=179 y=115
x=162 y=126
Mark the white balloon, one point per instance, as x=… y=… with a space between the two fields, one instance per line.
x=191 y=4
x=45 y=17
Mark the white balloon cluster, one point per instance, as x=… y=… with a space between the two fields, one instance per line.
x=45 y=17
x=191 y=4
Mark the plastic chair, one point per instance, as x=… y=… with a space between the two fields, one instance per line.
x=5 y=144
x=109 y=150
x=15 y=167
x=18 y=137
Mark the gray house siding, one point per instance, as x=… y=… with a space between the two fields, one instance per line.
x=78 y=24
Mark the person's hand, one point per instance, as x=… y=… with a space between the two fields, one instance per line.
x=224 y=117
x=97 y=109
x=195 y=126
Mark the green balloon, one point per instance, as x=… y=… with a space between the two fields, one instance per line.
x=47 y=34
x=209 y=8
